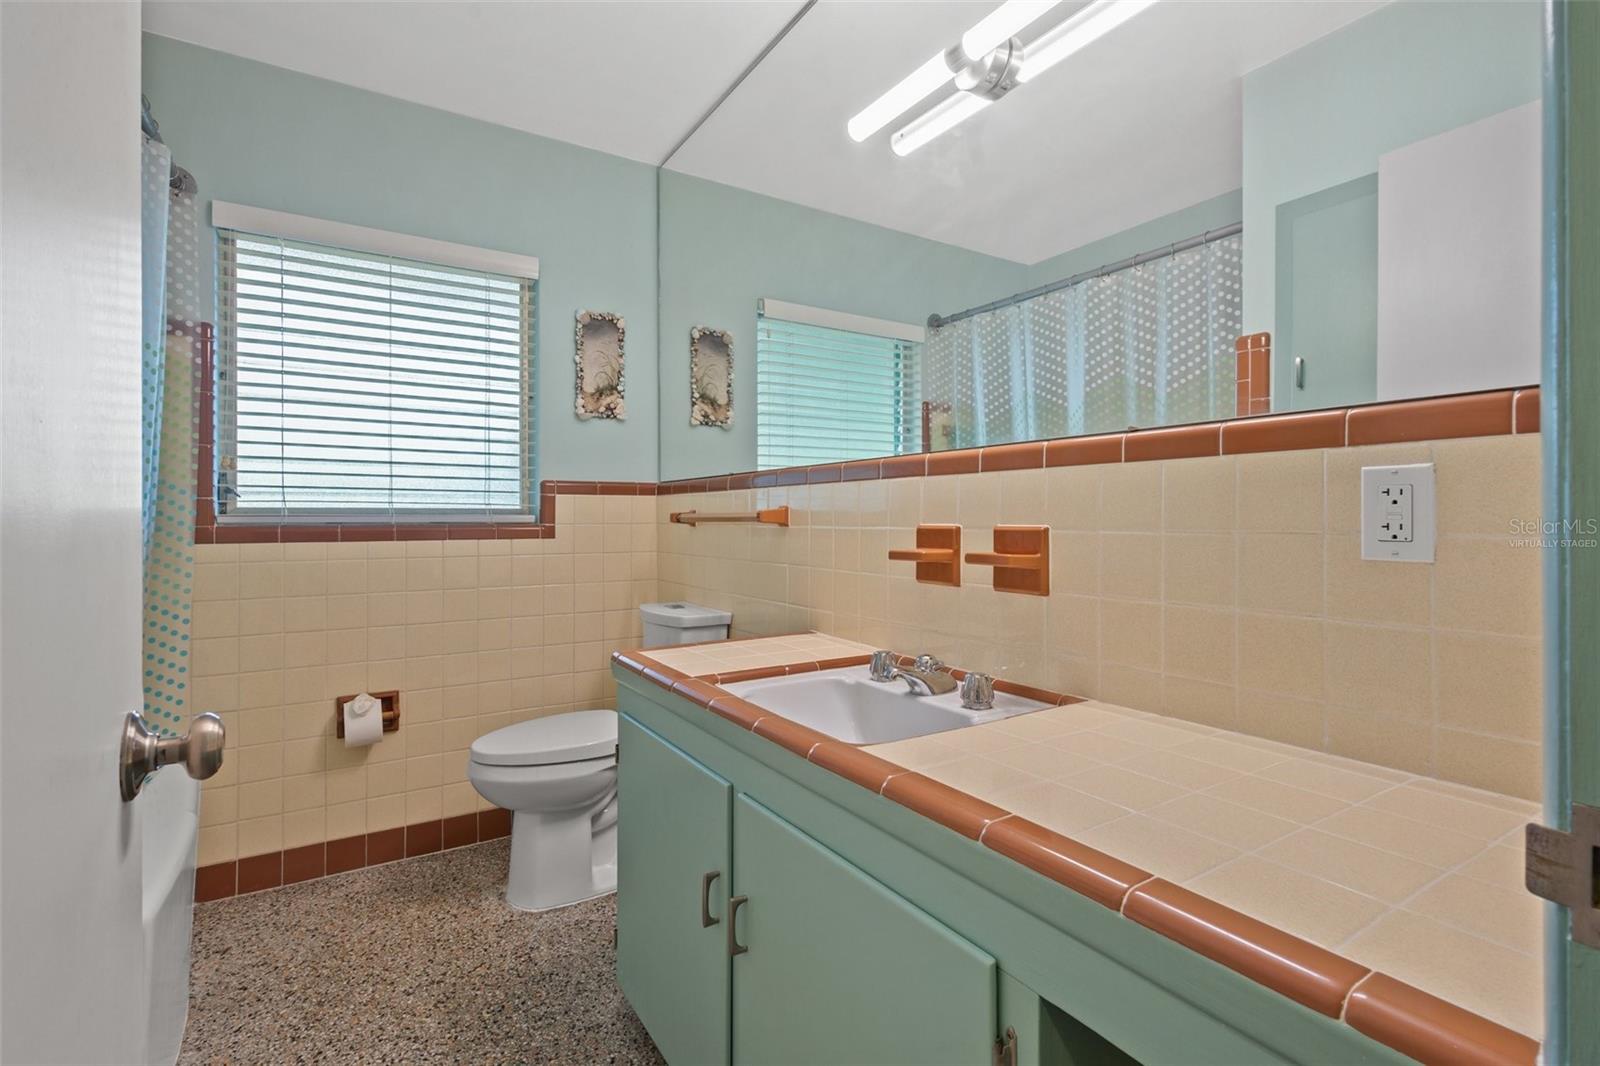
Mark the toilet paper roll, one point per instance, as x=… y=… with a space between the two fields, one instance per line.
x=363 y=721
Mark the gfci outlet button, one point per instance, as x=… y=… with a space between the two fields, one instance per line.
x=1397 y=513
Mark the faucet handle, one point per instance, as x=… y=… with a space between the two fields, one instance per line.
x=883 y=666
x=928 y=663
x=977 y=692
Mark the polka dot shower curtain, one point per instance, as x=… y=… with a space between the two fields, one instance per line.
x=1148 y=345
x=175 y=336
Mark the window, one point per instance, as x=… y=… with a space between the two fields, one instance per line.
x=356 y=381
x=832 y=387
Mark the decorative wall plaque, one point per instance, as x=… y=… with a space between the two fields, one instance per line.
x=710 y=377
x=599 y=362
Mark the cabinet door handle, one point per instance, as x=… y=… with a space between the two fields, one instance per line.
x=706 y=880
x=734 y=903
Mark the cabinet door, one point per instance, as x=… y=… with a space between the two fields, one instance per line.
x=841 y=970
x=673 y=827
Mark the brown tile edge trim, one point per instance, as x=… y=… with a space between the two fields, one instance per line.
x=275 y=869
x=1429 y=1029
x=1394 y=1014
x=208 y=530
x=1429 y=418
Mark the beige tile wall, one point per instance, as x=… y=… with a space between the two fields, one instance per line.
x=474 y=634
x=1228 y=591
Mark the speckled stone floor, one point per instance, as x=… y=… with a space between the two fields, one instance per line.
x=415 y=962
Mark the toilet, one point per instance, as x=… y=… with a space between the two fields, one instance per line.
x=557 y=776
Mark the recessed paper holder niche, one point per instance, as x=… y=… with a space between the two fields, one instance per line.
x=1021 y=559
x=937 y=555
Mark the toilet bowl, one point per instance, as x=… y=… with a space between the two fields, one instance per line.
x=558 y=778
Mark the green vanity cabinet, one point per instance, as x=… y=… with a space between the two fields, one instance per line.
x=823 y=964
x=835 y=968
x=672 y=892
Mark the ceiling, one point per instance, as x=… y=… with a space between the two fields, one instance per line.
x=589 y=73
x=1144 y=122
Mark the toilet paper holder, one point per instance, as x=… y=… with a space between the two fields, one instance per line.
x=389 y=701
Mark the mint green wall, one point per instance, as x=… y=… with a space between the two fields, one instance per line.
x=267 y=137
x=1192 y=221
x=723 y=248
x=1322 y=115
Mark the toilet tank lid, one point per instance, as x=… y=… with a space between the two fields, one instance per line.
x=557 y=738
x=681 y=615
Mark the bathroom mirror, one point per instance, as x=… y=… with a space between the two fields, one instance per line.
x=1169 y=212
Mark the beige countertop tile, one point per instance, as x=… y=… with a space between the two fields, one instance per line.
x=1421 y=879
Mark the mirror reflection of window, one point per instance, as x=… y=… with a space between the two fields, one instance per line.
x=833 y=387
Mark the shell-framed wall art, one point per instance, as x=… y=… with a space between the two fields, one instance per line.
x=601 y=381
x=710 y=377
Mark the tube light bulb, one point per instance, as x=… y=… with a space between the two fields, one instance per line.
x=1076 y=33
x=897 y=101
x=1001 y=24
x=940 y=118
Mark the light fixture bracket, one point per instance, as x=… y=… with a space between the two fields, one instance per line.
x=992 y=76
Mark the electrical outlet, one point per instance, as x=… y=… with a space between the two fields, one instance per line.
x=1397 y=513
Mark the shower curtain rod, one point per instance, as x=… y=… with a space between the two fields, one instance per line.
x=937 y=320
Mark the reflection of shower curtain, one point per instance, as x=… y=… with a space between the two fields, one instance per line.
x=172 y=330
x=1148 y=345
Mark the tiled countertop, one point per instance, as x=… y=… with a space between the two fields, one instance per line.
x=1409 y=877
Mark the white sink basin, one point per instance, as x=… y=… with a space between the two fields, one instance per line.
x=848 y=705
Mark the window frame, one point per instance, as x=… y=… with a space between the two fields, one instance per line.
x=344 y=237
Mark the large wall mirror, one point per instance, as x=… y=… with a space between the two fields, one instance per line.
x=1118 y=214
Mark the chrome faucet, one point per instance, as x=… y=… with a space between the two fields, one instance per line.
x=926 y=677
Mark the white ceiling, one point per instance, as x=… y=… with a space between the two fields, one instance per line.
x=1144 y=122
x=629 y=77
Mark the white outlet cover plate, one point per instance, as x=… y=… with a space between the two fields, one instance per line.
x=1376 y=510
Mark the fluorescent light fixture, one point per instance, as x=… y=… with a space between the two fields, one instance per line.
x=1076 y=33
x=1001 y=24
x=940 y=118
x=932 y=75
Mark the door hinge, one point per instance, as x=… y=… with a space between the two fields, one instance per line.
x=1564 y=868
x=1005 y=1049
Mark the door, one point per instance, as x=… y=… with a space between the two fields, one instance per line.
x=1327 y=287
x=838 y=969
x=673 y=839
x=72 y=986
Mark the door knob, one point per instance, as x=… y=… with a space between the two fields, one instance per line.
x=144 y=751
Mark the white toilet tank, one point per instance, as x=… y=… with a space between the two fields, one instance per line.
x=682 y=623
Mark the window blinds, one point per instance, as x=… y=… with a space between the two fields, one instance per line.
x=824 y=395
x=354 y=384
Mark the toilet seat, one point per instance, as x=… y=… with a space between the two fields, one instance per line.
x=577 y=736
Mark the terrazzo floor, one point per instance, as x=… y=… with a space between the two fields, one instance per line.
x=414 y=962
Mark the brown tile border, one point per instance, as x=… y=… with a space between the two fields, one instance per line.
x=256 y=873
x=1525 y=411
x=1394 y=1014
x=1084 y=451
x=791 y=736
x=209 y=531
x=1481 y=414
x=950 y=807
x=1174 y=442
x=1102 y=878
x=853 y=764
x=1430 y=1030
x=1283 y=433
x=1299 y=969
